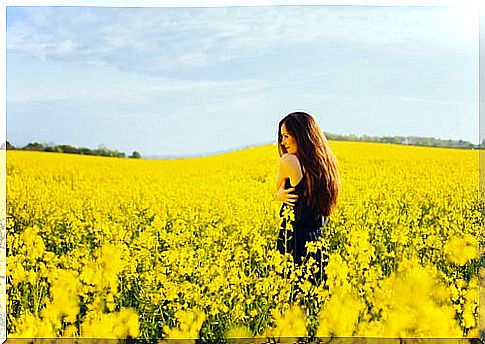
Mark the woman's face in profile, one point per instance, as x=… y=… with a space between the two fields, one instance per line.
x=288 y=141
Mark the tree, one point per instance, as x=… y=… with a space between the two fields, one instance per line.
x=135 y=155
x=34 y=146
x=85 y=151
x=69 y=149
x=9 y=145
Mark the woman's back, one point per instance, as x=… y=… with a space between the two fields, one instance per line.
x=305 y=216
x=305 y=227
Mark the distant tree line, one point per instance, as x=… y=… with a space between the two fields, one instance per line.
x=404 y=140
x=100 y=151
x=408 y=140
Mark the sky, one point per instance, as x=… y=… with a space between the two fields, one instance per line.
x=187 y=81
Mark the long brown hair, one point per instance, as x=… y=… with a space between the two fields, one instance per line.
x=322 y=182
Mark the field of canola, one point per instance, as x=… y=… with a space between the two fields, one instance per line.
x=116 y=248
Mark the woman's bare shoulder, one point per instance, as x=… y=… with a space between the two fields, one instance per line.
x=290 y=161
x=289 y=158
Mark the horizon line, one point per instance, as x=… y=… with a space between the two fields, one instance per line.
x=254 y=145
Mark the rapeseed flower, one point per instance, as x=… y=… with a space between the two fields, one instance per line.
x=132 y=232
x=461 y=250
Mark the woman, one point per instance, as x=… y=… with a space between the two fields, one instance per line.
x=307 y=182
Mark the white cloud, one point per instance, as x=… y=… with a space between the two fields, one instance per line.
x=159 y=39
x=117 y=87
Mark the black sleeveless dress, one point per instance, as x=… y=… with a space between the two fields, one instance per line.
x=306 y=227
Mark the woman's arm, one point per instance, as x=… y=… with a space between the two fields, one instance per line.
x=282 y=174
x=289 y=168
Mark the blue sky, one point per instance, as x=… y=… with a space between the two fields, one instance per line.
x=189 y=81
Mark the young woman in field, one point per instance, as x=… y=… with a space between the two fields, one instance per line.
x=307 y=181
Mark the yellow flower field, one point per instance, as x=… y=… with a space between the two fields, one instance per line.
x=117 y=248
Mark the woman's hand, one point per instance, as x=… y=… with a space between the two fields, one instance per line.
x=285 y=195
